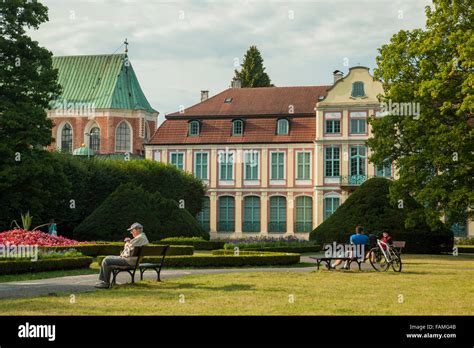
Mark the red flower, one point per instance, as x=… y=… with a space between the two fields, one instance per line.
x=22 y=237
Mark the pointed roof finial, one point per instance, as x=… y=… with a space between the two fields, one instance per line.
x=126 y=45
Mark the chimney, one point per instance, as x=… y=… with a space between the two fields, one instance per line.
x=204 y=95
x=236 y=83
x=337 y=75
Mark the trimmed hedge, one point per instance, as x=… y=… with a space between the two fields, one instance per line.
x=198 y=243
x=370 y=207
x=211 y=261
x=465 y=249
x=160 y=216
x=97 y=249
x=289 y=249
x=42 y=265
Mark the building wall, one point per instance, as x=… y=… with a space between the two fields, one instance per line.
x=239 y=188
x=107 y=120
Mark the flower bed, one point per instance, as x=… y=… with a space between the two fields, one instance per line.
x=289 y=243
x=22 y=237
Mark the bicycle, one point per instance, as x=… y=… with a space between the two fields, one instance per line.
x=383 y=256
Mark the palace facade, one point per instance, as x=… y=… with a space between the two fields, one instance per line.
x=276 y=161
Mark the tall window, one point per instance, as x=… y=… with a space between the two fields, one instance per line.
x=237 y=127
x=177 y=159
x=357 y=164
x=95 y=139
x=226 y=166
x=332 y=160
x=277 y=221
x=251 y=165
x=123 y=138
x=66 y=138
x=203 y=217
x=331 y=203
x=358 y=89
x=277 y=166
x=193 y=128
x=384 y=170
x=358 y=122
x=226 y=214
x=251 y=214
x=303 y=166
x=304 y=214
x=282 y=127
x=201 y=165
x=333 y=126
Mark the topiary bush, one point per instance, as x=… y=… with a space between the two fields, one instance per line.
x=197 y=242
x=48 y=264
x=161 y=217
x=370 y=207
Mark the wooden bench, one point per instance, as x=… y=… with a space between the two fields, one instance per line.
x=154 y=266
x=141 y=252
x=328 y=260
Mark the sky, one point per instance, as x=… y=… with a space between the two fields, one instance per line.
x=178 y=48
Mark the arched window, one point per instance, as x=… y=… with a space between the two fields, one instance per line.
x=251 y=214
x=123 y=137
x=226 y=214
x=66 y=138
x=282 y=127
x=277 y=221
x=304 y=214
x=237 y=127
x=94 y=139
x=194 y=128
x=358 y=89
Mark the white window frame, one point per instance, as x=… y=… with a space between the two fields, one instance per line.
x=184 y=159
x=304 y=181
x=277 y=181
x=207 y=164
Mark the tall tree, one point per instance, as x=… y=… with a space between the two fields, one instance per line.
x=432 y=148
x=253 y=72
x=27 y=85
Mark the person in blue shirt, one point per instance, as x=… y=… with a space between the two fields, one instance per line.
x=358 y=238
x=53 y=228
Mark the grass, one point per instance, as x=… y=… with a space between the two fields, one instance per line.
x=428 y=285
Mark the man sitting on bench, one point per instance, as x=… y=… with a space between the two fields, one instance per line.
x=356 y=239
x=125 y=259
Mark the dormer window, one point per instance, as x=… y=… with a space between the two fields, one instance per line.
x=194 y=128
x=228 y=100
x=282 y=126
x=237 y=127
x=358 y=89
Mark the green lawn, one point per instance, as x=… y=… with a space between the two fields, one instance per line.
x=428 y=285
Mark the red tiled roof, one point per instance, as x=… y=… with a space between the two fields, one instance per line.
x=259 y=107
x=218 y=131
x=258 y=101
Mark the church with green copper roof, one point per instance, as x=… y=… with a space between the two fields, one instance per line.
x=102 y=107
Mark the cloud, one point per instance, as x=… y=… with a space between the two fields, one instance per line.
x=181 y=47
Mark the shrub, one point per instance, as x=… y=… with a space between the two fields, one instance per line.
x=44 y=184
x=42 y=265
x=369 y=206
x=160 y=216
x=95 y=249
x=289 y=249
x=466 y=249
x=197 y=242
x=206 y=261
